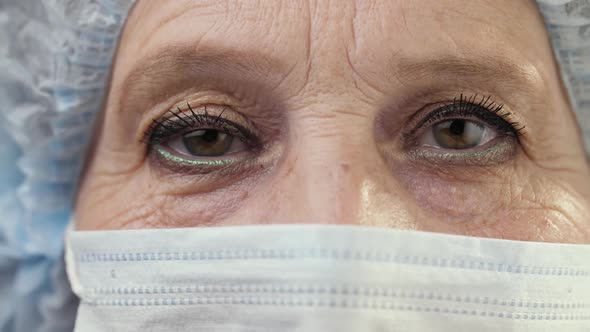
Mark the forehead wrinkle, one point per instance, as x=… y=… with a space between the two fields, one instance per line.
x=147 y=17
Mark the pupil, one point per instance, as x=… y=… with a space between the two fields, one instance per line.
x=210 y=136
x=457 y=127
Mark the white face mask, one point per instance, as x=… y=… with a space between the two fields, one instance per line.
x=324 y=278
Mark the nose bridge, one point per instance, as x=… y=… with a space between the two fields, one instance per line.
x=328 y=184
x=326 y=165
x=333 y=172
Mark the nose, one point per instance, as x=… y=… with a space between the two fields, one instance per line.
x=333 y=173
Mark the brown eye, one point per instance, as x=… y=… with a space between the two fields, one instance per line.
x=207 y=143
x=458 y=134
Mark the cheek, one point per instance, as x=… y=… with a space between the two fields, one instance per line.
x=125 y=205
x=116 y=202
x=454 y=199
x=500 y=205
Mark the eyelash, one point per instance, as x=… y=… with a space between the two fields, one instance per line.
x=179 y=123
x=485 y=110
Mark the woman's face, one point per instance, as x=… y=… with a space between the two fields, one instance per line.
x=445 y=116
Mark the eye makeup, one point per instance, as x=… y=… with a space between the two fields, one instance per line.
x=501 y=150
x=208 y=162
x=480 y=113
x=178 y=121
x=485 y=110
x=167 y=133
x=475 y=113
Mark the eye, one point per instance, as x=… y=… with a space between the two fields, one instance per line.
x=458 y=134
x=202 y=138
x=465 y=131
x=206 y=143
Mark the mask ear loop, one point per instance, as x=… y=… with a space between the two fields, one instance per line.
x=70 y=259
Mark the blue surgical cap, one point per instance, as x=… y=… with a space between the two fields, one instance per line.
x=56 y=58
x=568 y=24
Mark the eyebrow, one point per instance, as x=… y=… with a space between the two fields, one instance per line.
x=178 y=67
x=488 y=69
x=175 y=67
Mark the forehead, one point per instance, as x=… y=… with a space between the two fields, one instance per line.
x=314 y=29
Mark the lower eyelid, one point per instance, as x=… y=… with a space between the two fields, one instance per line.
x=169 y=160
x=498 y=150
x=214 y=172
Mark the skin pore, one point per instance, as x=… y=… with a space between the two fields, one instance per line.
x=328 y=110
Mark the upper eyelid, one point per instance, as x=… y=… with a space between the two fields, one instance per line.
x=513 y=80
x=441 y=114
x=192 y=118
x=495 y=111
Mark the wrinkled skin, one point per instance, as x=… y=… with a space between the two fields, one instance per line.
x=331 y=90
